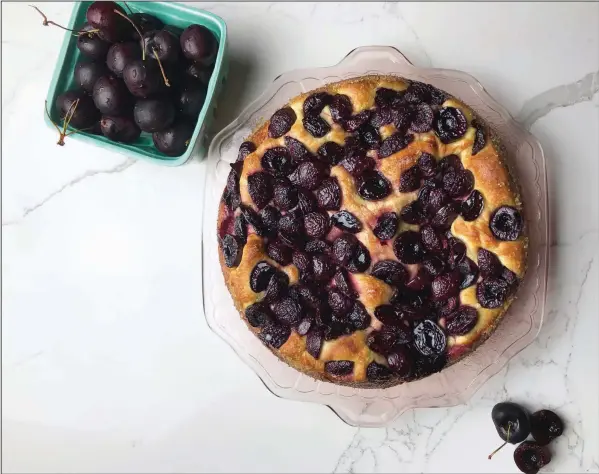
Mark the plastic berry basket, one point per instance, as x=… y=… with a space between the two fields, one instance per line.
x=455 y=384
x=172 y=14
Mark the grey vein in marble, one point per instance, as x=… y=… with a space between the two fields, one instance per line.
x=88 y=174
x=565 y=95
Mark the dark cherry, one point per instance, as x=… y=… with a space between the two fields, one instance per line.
x=85 y=114
x=394 y=144
x=174 y=140
x=253 y=219
x=510 y=278
x=459 y=183
x=339 y=367
x=291 y=228
x=346 y=221
x=304 y=326
x=421 y=92
x=339 y=303
x=343 y=283
x=163 y=44
x=420 y=281
x=388 y=314
x=277 y=161
x=199 y=72
x=445 y=286
x=480 y=137
x=110 y=96
x=429 y=338
x=386 y=226
x=328 y=195
x=316 y=125
x=472 y=206
x=468 y=273
x=431 y=239
x=447 y=307
x=457 y=251
x=279 y=252
x=86 y=74
x=121 y=54
x=302 y=261
x=409 y=180
x=314 y=341
x=358 y=316
x=461 y=321
x=369 y=136
x=287 y=311
x=143 y=78
x=119 y=129
x=285 y=196
x=388 y=339
x=492 y=292
x=385 y=96
x=260 y=276
x=506 y=223
x=275 y=335
x=445 y=216
x=245 y=149
x=269 y=218
x=198 y=44
x=317 y=225
x=400 y=362
x=153 y=115
x=432 y=200
x=376 y=372
x=450 y=163
x=425 y=366
x=382 y=116
x=489 y=263
x=353 y=123
x=423 y=119
x=530 y=457
x=309 y=175
x=412 y=213
x=232 y=249
x=408 y=247
x=281 y=122
x=240 y=229
x=402 y=118
x=260 y=188
x=512 y=418
x=145 y=22
x=91 y=45
x=276 y=288
x=545 y=426
x=318 y=246
x=450 y=124
x=113 y=27
x=258 y=315
x=357 y=164
x=427 y=165
x=297 y=150
x=314 y=103
x=330 y=153
x=344 y=248
x=373 y=186
x=306 y=202
x=341 y=108
x=391 y=272
x=190 y=98
x=433 y=265
x=323 y=268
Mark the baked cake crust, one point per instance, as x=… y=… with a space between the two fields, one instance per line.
x=491 y=178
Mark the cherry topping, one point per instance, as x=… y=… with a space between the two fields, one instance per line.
x=318 y=246
x=343 y=283
x=253 y=219
x=402 y=117
x=408 y=247
x=287 y=311
x=431 y=240
x=281 y=122
x=275 y=335
x=269 y=219
x=314 y=104
x=369 y=136
x=409 y=180
x=445 y=216
x=297 y=150
x=391 y=272
x=447 y=307
x=492 y=292
x=323 y=267
x=450 y=124
x=258 y=315
x=360 y=260
x=245 y=149
x=412 y=213
x=279 y=252
x=388 y=315
x=346 y=221
x=506 y=223
x=285 y=196
x=530 y=457
x=480 y=138
x=462 y=321
x=344 y=248
x=429 y=338
x=382 y=116
x=304 y=326
x=457 y=251
x=376 y=372
x=394 y=143
x=232 y=248
x=330 y=153
x=400 y=362
x=384 y=96
x=353 y=123
x=488 y=263
x=450 y=163
x=427 y=165
x=423 y=119
x=386 y=226
x=306 y=202
x=339 y=303
x=458 y=184
x=316 y=125
x=277 y=287
x=291 y=227
x=339 y=367
x=317 y=225
x=260 y=276
x=433 y=265
x=260 y=188
x=358 y=317
x=445 y=286
x=373 y=186
x=240 y=228
x=421 y=280
x=277 y=161
x=341 y=108
x=357 y=164
x=328 y=195
x=308 y=175
x=468 y=272
x=314 y=341
x=472 y=206
x=545 y=426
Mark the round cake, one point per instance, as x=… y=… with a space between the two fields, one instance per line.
x=370 y=232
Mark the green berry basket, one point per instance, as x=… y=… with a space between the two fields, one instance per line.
x=172 y=14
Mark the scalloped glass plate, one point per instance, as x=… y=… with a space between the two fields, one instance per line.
x=455 y=384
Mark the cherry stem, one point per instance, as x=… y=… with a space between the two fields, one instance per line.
x=67 y=119
x=47 y=22
x=161 y=69
x=141 y=37
x=507 y=440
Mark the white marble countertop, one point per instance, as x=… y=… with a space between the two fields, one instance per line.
x=108 y=364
